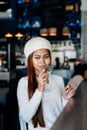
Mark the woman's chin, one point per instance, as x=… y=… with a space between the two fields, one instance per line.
x=38 y=72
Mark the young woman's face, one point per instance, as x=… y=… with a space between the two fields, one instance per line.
x=41 y=59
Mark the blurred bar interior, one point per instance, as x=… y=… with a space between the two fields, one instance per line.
x=58 y=21
x=62 y=22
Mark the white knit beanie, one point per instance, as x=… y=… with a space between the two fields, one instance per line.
x=35 y=44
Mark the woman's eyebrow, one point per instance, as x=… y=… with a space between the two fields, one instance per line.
x=36 y=55
x=40 y=55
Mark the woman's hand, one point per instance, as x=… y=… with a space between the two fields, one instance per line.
x=42 y=80
x=69 y=92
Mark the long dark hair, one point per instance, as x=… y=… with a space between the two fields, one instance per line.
x=32 y=85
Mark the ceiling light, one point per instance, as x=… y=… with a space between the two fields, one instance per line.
x=66 y=31
x=44 y=32
x=9 y=35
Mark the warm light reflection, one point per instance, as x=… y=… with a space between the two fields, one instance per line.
x=44 y=32
x=69 y=7
x=26 y=0
x=8 y=35
x=53 y=31
x=19 y=35
x=66 y=31
x=77 y=7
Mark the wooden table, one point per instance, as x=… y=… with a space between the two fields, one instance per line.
x=74 y=115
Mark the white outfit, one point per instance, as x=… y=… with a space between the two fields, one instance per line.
x=52 y=100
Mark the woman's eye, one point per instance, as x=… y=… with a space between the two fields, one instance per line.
x=37 y=58
x=47 y=56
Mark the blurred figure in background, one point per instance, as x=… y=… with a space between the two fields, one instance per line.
x=57 y=63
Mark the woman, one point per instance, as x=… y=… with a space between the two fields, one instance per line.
x=41 y=96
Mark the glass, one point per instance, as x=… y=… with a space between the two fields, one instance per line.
x=49 y=69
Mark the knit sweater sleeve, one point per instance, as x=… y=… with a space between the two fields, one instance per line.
x=64 y=101
x=27 y=108
x=60 y=83
x=62 y=86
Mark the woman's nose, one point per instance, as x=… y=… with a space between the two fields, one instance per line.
x=42 y=60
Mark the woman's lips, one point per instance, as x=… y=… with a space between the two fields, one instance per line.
x=41 y=67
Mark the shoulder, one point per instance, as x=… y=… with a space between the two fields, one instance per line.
x=23 y=82
x=22 y=89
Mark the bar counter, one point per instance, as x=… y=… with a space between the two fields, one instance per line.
x=74 y=115
x=7 y=75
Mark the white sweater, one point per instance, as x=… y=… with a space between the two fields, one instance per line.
x=53 y=102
